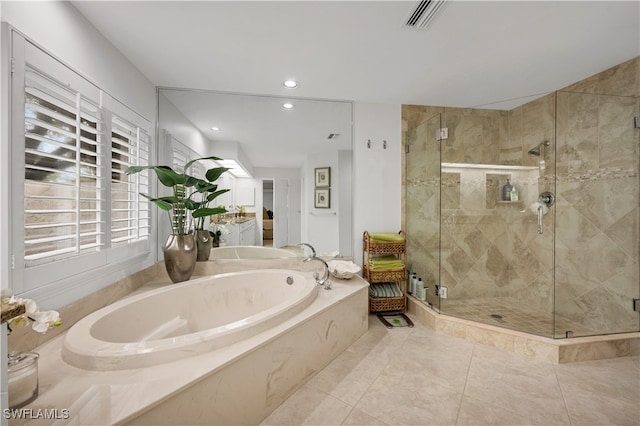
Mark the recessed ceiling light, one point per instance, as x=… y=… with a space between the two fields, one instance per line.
x=290 y=84
x=287 y=106
x=215 y=129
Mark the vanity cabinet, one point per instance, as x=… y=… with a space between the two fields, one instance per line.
x=242 y=233
x=248 y=233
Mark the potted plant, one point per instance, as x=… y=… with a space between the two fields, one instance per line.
x=201 y=210
x=189 y=202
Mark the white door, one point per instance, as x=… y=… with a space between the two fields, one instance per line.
x=280 y=212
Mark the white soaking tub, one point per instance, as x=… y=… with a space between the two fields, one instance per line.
x=187 y=319
x=249 y=252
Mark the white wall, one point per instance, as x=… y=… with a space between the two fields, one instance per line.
x=377 y=175
x=173 y=121
x=61 y=30
x=321 y=225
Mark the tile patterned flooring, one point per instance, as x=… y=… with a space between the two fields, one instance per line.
x=514 y=316
x=413 y=376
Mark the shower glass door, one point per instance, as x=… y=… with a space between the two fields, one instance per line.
x=598 y=214
x=422 y=216
x=497 y=240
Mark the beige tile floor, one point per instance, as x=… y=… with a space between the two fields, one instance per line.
x=413 y=376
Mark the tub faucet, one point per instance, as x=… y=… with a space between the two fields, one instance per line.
x=313 y=251
x=324 y=280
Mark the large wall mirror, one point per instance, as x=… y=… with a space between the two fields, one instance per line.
x=298 y=160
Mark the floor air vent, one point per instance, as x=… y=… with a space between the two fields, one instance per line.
x=424 y=13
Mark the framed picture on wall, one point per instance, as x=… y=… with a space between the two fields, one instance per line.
x=322 y=199
x=323 y=177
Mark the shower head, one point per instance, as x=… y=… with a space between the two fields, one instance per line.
x=535 y=151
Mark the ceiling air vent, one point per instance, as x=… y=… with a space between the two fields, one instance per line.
x=424 y=13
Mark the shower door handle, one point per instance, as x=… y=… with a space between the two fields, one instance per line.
x=540 y=214
x=545 y=201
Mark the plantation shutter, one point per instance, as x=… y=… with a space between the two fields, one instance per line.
x=181 y=155
x=130 y=211
x=62 y=169
x=75 y=214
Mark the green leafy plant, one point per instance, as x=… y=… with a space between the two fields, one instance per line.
x=190 y=194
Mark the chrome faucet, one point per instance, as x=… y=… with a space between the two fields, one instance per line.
x=324 y=280
x=313 y=251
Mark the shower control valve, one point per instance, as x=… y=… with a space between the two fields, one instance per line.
x=547 y=198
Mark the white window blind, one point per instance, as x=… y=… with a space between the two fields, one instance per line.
x=130 y=212
x=62 y=186
x=74 y=211
x=181 y=155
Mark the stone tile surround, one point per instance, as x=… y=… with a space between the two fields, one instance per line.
x=593 y=162
x=556 y=351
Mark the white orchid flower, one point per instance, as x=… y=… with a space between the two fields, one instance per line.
x=45 y=320
x=30 y=306
x=18 y=321
x=42 y=321
x=5 y=295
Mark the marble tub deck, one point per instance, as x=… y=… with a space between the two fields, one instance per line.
x=156 y=394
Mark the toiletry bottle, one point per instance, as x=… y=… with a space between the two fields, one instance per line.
x=506 y=191
x=412 y=284
x=419 y=288
x=514 y=194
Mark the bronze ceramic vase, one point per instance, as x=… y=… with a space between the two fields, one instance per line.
x=180 y=253
x=204 y=242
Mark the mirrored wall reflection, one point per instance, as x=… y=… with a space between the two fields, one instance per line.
x=538 y=208
x=279 y=149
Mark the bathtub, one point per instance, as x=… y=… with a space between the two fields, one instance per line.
x=249 y=252
x=187 y=319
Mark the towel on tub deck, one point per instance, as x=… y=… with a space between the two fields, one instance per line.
x=384 y=290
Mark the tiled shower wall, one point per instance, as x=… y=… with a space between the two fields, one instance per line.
x=479 y=247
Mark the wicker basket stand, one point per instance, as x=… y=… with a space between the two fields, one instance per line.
x=398 y=249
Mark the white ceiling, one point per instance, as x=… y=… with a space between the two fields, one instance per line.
x=260 y=124
x=475 y=53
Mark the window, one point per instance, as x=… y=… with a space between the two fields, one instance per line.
x=80 y=210
x=130 y=215
x=61 y=167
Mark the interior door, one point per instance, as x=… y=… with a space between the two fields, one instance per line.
x=280 y=212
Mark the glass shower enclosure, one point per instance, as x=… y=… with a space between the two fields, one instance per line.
x=527 y=217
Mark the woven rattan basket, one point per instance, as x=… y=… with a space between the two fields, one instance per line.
x=384 y=247
x=383 y=276
x=386 y=304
